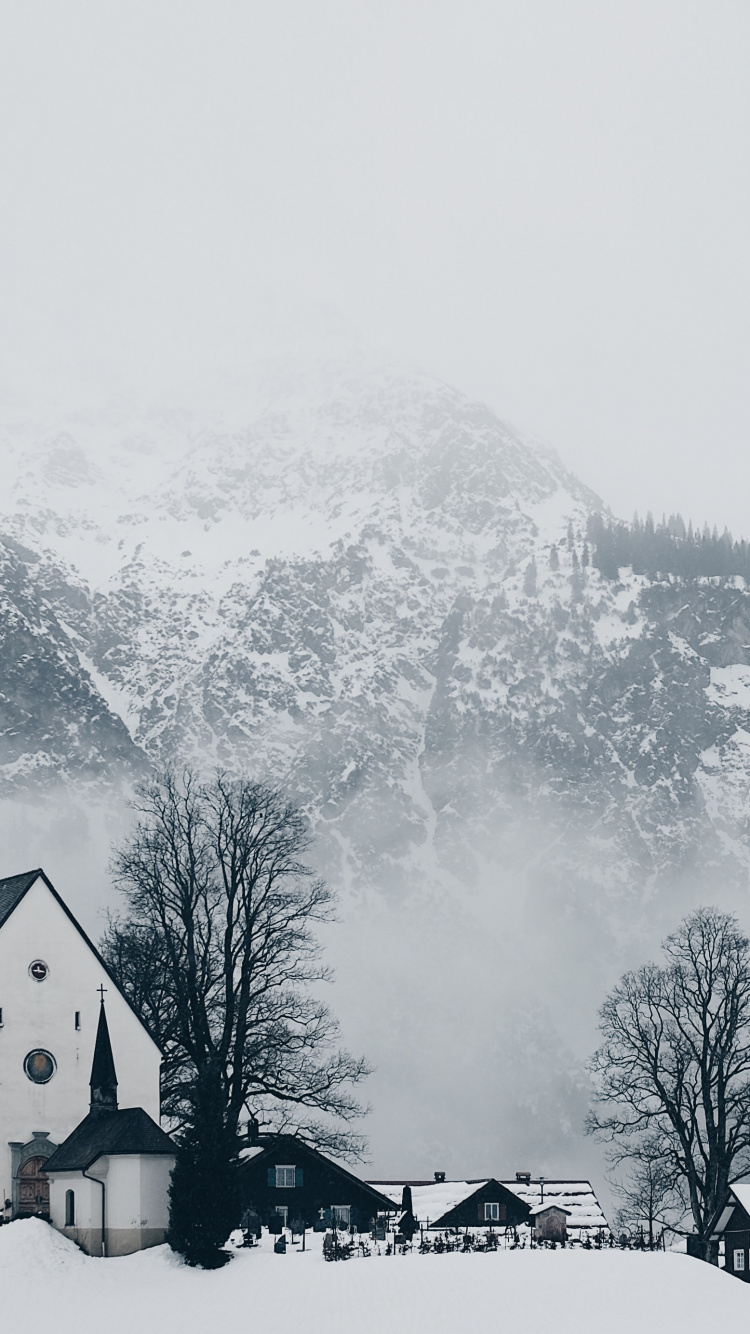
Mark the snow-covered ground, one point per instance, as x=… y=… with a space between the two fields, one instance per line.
x=571 y=1292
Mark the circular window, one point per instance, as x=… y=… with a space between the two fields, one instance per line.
x=38 y=970
x=39 y=1066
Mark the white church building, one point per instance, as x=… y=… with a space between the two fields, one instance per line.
x=59 y=1090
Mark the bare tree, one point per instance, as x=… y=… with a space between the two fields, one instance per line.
x=675 y=1062
x=649 y=1191
x=218 y=955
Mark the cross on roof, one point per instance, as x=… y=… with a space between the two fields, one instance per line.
x=101 y=990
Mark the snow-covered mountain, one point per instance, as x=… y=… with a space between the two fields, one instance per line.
x=351 y=588
x=355 y=580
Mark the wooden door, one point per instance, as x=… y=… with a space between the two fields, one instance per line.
x=33 y=1194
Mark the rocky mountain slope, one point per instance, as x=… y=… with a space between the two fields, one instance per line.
x=353 y=591
x=356 y=581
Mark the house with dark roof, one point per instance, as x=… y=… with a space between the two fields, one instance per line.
x=733 y=1228
x=285 y=1180
x=50 y=980
x=109 y=1180
x=460 y=1204
x=489 y=1200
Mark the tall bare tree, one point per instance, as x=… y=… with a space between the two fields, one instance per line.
x=675 y=1062
x=218 y=954
x=648 y=1188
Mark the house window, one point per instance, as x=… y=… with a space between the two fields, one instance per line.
x=70 y=1208
x=286 y=1177
x=739 y=1261
x=78 y=1020
x=341 y=1215
x=282 y=1211
x=492 y=1213
x=1 y=1016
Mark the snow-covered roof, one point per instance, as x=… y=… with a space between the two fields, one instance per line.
x=430 y=1200
x=542 y=1208
x=576 y=1197
x=251 y=1151
x=741 y=1191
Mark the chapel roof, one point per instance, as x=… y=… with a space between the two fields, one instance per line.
x=103 y=1081
x=106 y=1133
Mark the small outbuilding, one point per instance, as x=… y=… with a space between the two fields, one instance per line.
x=286 y=1181
x=109 y=1180
x=550 y=1222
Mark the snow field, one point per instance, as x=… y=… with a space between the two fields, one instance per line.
x=570 y=1292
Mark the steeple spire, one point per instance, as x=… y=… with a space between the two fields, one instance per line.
x=103 y=1080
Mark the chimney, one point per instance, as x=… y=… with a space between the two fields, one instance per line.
x=440 y=1176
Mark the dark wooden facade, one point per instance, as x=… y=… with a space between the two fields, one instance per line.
x=477 y=1209
x=735 y=1229
x=289 y=1178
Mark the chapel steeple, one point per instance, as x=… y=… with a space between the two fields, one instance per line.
x=103 y=1080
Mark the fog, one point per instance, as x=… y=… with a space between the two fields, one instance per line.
x=544 y=203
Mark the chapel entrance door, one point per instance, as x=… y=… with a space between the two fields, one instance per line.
x=33 y=1188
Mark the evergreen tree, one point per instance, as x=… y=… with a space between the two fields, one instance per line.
x=204 y=1196
x=669 y=549
x=554 y=559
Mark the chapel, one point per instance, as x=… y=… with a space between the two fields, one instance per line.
x=109 y=1180
x=51 y=1019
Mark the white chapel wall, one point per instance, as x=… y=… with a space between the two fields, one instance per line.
x=42 y=1015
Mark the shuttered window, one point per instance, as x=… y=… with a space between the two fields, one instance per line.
x=286 y=1176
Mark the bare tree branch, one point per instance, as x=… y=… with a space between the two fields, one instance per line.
x=218 y=954
x=674 y=1066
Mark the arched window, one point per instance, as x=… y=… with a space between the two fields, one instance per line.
x=70 y=1208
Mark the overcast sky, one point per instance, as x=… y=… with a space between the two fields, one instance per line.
x=546 y=203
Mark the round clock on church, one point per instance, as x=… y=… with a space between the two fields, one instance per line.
x=38 y=970
x=39 y=1066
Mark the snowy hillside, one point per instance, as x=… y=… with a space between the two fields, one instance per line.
x=579 y=1292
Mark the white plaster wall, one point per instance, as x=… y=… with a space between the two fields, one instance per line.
x=88 y=1201
x=137 y=1195
x=156 y=1174
x=123 y=1191
x=137 y=1187
x=42 y=1014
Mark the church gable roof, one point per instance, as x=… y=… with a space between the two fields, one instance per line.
x=13 y=889
x=106 y=1133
